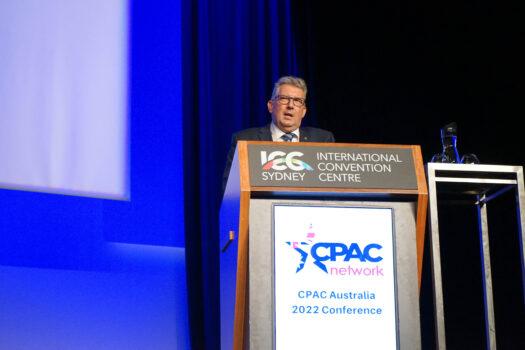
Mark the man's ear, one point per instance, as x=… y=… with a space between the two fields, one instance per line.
x=270 y=106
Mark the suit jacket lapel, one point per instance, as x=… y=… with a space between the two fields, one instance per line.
x=264 y=133
x=304 y=135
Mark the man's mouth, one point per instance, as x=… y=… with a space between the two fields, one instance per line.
x=288 y=115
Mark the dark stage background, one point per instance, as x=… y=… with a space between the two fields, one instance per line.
x=378 y=72
x=383 y=72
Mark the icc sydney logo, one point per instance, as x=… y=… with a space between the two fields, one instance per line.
x=279 y=160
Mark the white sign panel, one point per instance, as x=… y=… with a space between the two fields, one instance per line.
x=334 y=278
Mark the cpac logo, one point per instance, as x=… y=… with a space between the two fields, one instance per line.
x=325 y=251
x=279 y=160
x=331 y=251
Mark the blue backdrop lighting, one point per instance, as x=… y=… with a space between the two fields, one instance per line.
x=91 y=273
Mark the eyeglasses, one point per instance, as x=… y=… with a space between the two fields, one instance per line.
x=285 y=100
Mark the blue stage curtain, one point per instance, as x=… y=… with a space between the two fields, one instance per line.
x=233 y=52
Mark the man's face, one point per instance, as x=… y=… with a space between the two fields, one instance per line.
x=287 y=116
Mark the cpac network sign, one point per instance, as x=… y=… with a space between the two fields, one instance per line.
x=334 y=278
x=294 y=165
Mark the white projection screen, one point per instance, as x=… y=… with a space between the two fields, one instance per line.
x=63 y=96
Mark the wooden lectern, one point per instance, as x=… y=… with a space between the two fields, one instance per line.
x=348 y=177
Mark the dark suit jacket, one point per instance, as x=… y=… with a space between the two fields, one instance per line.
x=306 y=134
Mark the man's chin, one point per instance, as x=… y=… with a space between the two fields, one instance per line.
x=289 y=125
x=288 y=128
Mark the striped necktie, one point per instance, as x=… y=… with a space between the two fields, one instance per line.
x=288 y=137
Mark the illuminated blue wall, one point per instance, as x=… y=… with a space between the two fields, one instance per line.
x=89 y=273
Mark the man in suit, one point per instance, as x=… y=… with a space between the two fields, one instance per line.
x=288 y=108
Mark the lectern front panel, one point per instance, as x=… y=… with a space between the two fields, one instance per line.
x=280 y=313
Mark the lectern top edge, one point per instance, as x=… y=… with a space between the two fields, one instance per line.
x=338 y=144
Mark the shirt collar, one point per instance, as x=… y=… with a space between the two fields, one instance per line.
x=277 y=133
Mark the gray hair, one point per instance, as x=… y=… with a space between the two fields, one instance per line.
x=289 y=80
